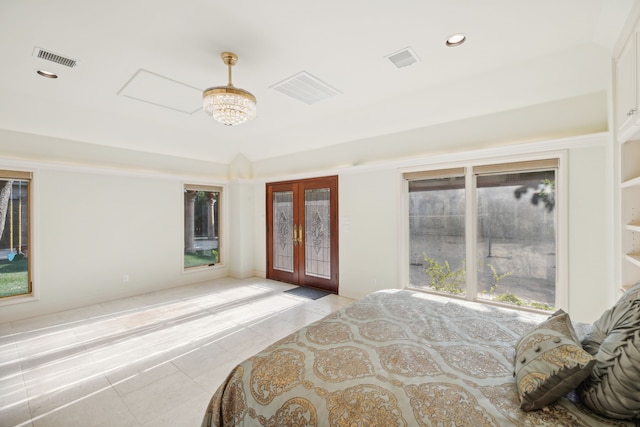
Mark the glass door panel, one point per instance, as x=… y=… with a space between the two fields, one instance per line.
x=437 y=234
x=517 y=238
x=283 y=231
x=317 y=204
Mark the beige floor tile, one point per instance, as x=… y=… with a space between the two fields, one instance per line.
x=198 y=361
x=189 y=413
x=14 y=404
x=274 y=328
x=82 y=314
x=212 y=377
x=101 y=409
x=7 y=335
x=244 y=342
x=9 y=361
x=16 y=416
x=37 y=323
x=144 y=377
x=132 y=368
x=300 y=316
x=154 y=359
x=39 y=348
x=157 y=399
x=44 y=399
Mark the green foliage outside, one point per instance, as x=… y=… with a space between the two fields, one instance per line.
x=14 y=277
x=442 y=278
x=541 y=306
x=547 y=194
x=199 y=258
x=497 y=277
x=509 y=298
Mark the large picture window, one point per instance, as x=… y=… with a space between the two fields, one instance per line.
x=15 y=271
x=486 y=232
x=437 y=231
x=201 y=225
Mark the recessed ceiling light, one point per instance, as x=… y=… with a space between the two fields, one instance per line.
x=456 y=40
x=47 y=74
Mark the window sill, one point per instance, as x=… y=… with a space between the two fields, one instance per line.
x=202 y=268
x=482 y=301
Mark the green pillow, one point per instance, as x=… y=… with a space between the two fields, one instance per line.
x=613 y=388
x=550 y=362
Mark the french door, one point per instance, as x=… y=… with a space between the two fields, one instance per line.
x=302 y=232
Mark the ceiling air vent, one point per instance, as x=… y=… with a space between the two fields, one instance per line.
x=403 y=58
x=306 y=88
x=50 y=56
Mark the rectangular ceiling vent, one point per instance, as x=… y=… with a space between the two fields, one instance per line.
x=306 y=88
x=50 y=56
x=403 y=58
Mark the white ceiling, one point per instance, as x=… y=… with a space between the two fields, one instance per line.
x=518 y=53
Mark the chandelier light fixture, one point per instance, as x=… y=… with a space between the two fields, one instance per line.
x=228 y=104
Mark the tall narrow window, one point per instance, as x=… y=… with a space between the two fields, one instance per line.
x=15 y=271
x=437 y=231
x=201 y=225
x=509 y=253
x=516 y=224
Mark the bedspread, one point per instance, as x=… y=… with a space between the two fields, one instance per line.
x=393 y=358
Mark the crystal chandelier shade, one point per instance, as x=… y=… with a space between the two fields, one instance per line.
x=229 y=105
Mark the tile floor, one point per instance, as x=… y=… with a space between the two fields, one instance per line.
x=153 y=359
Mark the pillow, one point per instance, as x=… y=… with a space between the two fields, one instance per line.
x=613 y=387
x=550 y=362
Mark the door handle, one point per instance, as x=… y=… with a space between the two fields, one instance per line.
x=300 y=239
x=297 y=234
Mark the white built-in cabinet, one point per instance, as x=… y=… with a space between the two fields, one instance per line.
x=630 y=211
x=627 y=98
x=627 y=116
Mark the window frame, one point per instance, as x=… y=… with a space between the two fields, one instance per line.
x=471 y=167
x=222 y=249
x=24 y=175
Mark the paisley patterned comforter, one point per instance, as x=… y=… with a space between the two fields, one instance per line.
x=394 y=358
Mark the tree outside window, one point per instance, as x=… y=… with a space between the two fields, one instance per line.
x=15 y=278
x=201 y=226
x=516 y=227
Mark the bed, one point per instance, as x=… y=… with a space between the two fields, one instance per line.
x=395 y=358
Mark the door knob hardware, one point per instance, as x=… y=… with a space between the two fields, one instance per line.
x=297 y=234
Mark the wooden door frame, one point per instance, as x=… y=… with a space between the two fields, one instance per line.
x=298 y=186
x=279 y=275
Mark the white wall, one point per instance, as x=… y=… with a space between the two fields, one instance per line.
x=368 y=211
x=239 y=211
x=37 y=148
x=370 y=228
x=580 y=115
x=591 y=278
x=260 y=229
x=241 y=235
x=91 y=227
